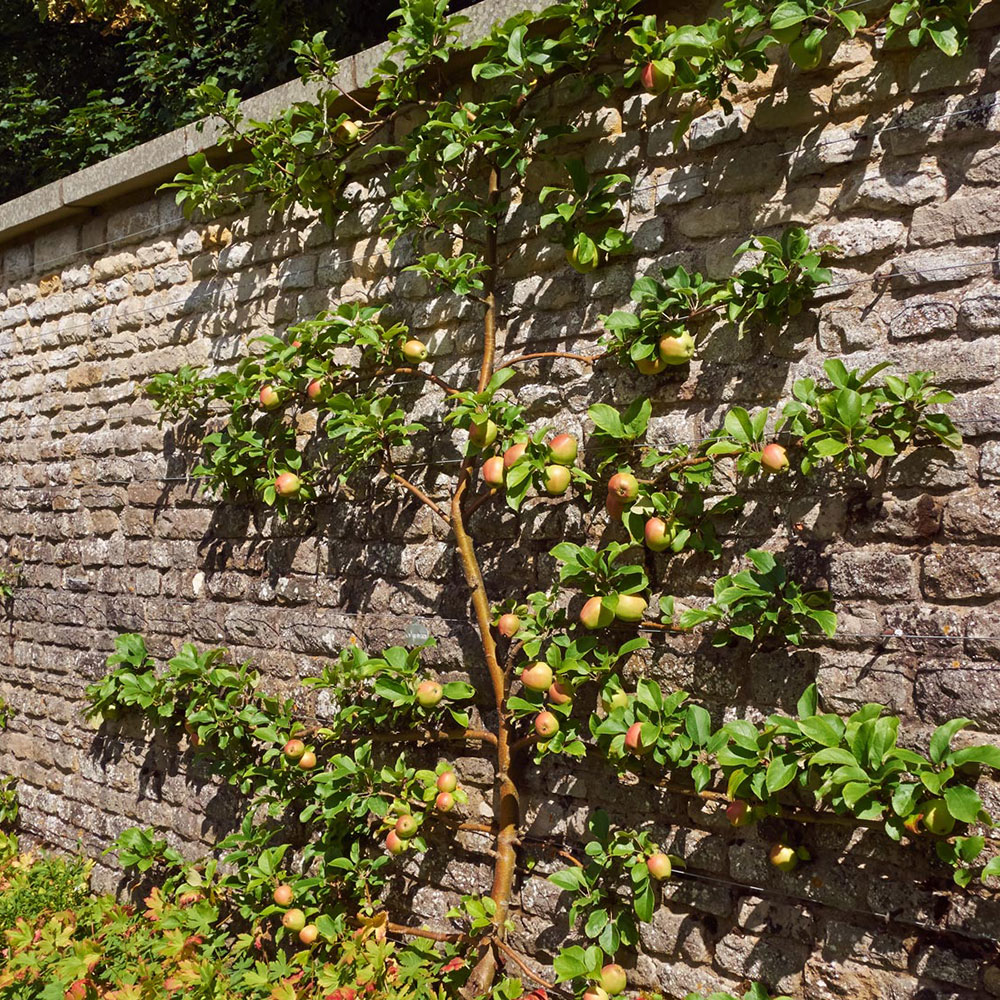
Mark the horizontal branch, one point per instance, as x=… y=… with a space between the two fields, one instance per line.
x=587 y=359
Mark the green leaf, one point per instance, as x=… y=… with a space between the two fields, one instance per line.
x=781 y=772
x=568 y=879
x=827 y=730
x=607 y=419
x=989 y=756
x=941 y=740
x=698 y=724
x=963 y=803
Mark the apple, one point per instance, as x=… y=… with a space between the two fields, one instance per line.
x=583 y=266
x=659 y=866
x=595 y=993
x=406 y=827
x=804 y=57
x=537 y=677
x=296 y=344
x=447 y=781
x=630 y=607
x=308 y=934
x=493 y=471
x=788 y=34
x=294 y=749
x=283 y=895
x=287 y=484
x=739 y=813
x=444 y=802
x=560 y=693
x=783 y=857
x=269 y=397
x=677 y=350
x=347 y=132
x=394 y=844
x=563 y=449
x=594 y=615
x=482 y=435
x=656 y=79
x=618 y=700
x=652 y=365
x=429 y=693
x=415 y=351
x=633 y=740
x=508 y=625
x=513 y=455
x=546 y=725
x=624 y=486
x=293 y=920
x=937 y=819
x=307 y=761
x=659 y=534
x=613 y=979
x=773 y=458
x=316 y=389
x=556 y=479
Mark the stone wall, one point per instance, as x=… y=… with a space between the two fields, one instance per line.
x=892 y=155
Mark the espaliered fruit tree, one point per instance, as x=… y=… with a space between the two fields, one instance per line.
x=335 y=806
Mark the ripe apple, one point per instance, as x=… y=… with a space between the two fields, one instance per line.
x=287 y=484
x=556 y=480
x=308 y=934
x=739 y=813
x=406 y=827
x=563 y=449
x=546 y=725
x=583 y=266
x=783 y=857
x=513 y=455
x=773 y=458
x=293 y=920
x=484 y=434
x=283 y=895
x=347 y=132
x=394 y=844
x=508 y=625
x=677 y=350
x=659 y=534
x=269 y=397
x=493 y=471
x=624 y=486
x=444 y=802
x=937 y=819
x=307 y=761
x=594 y=615
x=656 y=78
x=659 y=866
x=447 y=781
x=294 y=749
x=630 y=607
x=429 y=693
x=618 y=700
x=613 y=979
x=560 y=693
x=595 y=993
x=537 y=677
x=652 y=365
x=633 y=740
x=415 y=351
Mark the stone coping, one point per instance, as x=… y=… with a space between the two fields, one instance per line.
x=146 y=166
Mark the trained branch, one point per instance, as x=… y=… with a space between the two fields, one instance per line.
x=587 y=359
x=418 y=493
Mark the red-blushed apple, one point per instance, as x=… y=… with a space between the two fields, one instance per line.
x=624 y=486
x=560 y=693
x=296 y=344
x=283 y=895
x=429 y=693
x=493 y=471
x=415 y=351
x=630 y=607
x=656 y=78
x=783 y=857
x=615 y=506
x=508 y=625
x=307 y=761
x=447 y=781
x=406 y=827
x=563 y=449
x=774 y=458
x=537 y=677
x=556 y=478
x=287 y=484
x=659 y=866
x=595 y=615
x=652 y=365
x=595 y=993
x=394 y=844
x=617 y=700
x=293 y=920
x=633 y=740
x=739 y=813
x=937 y=819
x=514 y=454
x=347 y=132
x=584 y=266
x=294 y=749
x=546 y=725
x=269 y=397
x=677 y=350
x=613 y=979
x=444 y=802
x=659 y=534
x=482 y=435
x=316 y=389
x=308 y=934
